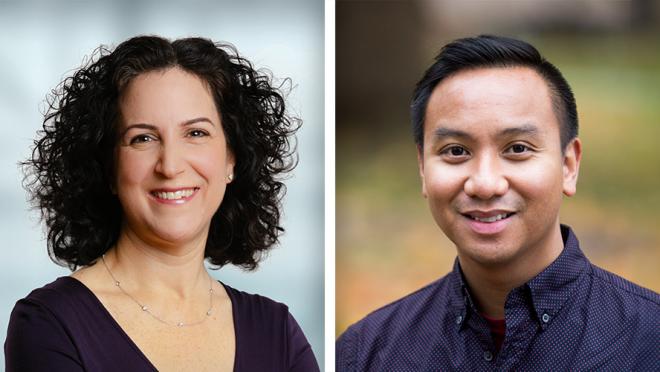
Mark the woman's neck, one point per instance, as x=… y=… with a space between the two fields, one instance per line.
x=176 y=273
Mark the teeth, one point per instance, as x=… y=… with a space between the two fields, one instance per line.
x=491 y=219
x=175 y=195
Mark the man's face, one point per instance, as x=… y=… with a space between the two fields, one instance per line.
x=492 y=165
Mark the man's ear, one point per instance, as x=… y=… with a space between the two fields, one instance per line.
x=571 y=166
x=420 y=164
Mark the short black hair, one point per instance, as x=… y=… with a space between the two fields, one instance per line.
x=70 y=172
x=487 y=51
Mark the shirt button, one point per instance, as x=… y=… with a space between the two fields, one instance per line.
x=545 y=318
x=488 y=356
x=459 y=319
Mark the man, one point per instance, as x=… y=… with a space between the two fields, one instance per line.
x=496 y=131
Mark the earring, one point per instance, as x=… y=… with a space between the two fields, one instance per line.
x=230 y=177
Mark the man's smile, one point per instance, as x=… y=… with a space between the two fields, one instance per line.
x=488 y=216
x=488 y=222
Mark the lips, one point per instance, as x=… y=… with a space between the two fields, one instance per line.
x=174 y=195
x=488 y=216
x=488 y=222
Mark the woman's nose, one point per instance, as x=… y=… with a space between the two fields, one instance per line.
x=170 y=161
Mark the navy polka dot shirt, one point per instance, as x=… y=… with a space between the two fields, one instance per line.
x=571 y=316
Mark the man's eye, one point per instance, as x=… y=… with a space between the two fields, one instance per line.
x=455 y=151
x=518 y=148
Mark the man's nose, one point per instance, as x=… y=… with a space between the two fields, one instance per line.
x=487 y=179
x=170 y=160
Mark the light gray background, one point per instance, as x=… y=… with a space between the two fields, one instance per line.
x=42 y=42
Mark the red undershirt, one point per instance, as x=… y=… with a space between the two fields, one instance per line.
x=497 y=330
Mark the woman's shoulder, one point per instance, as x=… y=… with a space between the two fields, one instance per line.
x=66 y=303
x=43 y=324
x=65 y=293
x=267 y=335
x=255 y=306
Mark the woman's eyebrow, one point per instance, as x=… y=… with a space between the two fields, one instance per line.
x=139 y=126
x=197 y=120
x=154 y=128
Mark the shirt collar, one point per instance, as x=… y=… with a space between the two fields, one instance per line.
x=557 y=283
x=549 y=290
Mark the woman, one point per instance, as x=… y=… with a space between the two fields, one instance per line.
x=153 y=158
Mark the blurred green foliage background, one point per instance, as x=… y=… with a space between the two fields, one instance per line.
x=387 y=242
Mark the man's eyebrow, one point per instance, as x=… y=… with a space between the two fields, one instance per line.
x=448 y=132
x=525 y=129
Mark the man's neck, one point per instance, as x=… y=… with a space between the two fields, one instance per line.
x=490 y=284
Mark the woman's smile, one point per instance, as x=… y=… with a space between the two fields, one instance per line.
x=174 y=196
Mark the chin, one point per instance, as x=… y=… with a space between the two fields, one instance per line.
x=176 y=234
x=175 y=237
x=489 y=256
x=491 y=252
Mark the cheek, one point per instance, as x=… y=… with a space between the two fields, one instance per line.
x=540 y=181
x=540 y=178
x=443 y=183
x=132 y=168
x=210 y=163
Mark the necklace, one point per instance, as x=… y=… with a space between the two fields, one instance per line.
x=147 y=310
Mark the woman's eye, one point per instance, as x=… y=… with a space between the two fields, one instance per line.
x=197 y=133
x=142 y=138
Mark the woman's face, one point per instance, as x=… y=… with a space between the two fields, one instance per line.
x=172 y=160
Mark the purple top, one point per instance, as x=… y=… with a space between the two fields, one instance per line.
x=64 y=327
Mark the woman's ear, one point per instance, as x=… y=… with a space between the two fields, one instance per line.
x=230 y=164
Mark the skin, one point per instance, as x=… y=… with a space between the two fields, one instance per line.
x=492 y=146
x=170 y=137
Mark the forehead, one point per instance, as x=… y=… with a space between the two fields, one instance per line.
x=166 y=95
x=486 y=99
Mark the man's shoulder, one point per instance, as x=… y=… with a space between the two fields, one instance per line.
x=411 y=319
x=622 y=288
x=622 y=313
x=418 y=302
x=623 y=309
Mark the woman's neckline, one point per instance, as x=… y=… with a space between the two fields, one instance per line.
x=130 y=341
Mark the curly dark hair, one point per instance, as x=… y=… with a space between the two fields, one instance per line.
x=69 y=174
